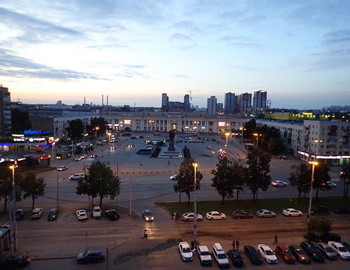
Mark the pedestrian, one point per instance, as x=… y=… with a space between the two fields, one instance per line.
x=233 y=244
x=145 y=236
x=276 y=240
x=237 y=244
x=174 y=216
x=177 y=216
x=27 y=260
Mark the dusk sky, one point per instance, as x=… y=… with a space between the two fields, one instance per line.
x=132 y=51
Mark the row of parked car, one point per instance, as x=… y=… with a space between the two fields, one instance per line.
x=81 y=214
x=304 y=253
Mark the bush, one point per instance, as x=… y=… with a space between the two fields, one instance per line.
x=319 y=224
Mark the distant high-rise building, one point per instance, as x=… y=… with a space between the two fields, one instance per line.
x=259 y=101
x=220 y=107
x=244 y=103
x=187 y=104
x=165 y=102
x=5 y=111
x=230 y=103
x=212 y=105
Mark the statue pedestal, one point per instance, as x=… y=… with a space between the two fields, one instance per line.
x=166 y=153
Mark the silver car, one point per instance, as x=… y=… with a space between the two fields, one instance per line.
x=264 y=213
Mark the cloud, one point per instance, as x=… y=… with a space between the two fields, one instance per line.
x=180 y=37
x=187 y=26
x=15 y=66
x=179 y=76
x=35 y=30
x=242 y=42
x=338 y=36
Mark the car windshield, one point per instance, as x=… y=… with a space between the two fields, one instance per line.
x=186 y=250
x=269 y=252
x=148 y=213
x=329 y=249
x=205 y=253
x=287 y=253
x=221 y=256
x=342 y=249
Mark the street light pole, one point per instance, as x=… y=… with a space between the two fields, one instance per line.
x=195 y=165
x=13 y=210
x=57 y=186
x=227 y=134
x=313 y=164
x=257 y=135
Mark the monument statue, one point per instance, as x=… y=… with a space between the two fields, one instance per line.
x=171 y=141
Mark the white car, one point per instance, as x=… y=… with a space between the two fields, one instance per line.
x=190 y=217
x=267 y=253
x=204 y=255
x=174 y=177
x=62 y=168
x=81 y=214
x=185 y=251
x=291 y=212
x=220 y=255
x=76 y=176
x=96 y=212
x=265 y=213
x=340 y=249
x=215 y=215
x=278 y=183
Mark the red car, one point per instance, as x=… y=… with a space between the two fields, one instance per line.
x=285 y=254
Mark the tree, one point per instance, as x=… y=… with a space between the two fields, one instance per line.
x=32 y=187
x=99 y=122
x=319 y=224
x=321 y=176
x=275 y=145
x=5 y=185
x=222 y=179
x=185 y=182
x=75 y=129
x=100 y=181
x=239 y=176
x=345 y=176
x=249 y=129
x=258 y=170
x=300 y=178
x=20 y=120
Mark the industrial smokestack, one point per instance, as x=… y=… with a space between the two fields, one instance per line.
x=107 y=100
x=102 y=100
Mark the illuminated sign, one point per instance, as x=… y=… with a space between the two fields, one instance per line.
x=37 y=132
x=222 y=124
x=127 y=122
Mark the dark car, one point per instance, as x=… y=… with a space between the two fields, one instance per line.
x=253 y=255
x=13 y=262
x=319 y=210
x=299 y=254
x=53 y=214
x=19 y=214
x=342 y=211
x=112 y=214
x=147 y=215
x=242 y=214
x=285 y=254
x=314 y=252
x=236 y=257
x=91 y=256
x=93 y=156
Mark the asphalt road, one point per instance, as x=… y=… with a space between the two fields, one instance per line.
x=145 y=180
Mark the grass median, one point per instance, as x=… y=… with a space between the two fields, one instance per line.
x=276 y=205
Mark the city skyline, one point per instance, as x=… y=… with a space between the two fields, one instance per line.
x=133 y=51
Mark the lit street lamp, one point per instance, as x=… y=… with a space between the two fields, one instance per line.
x=227 y=134
x=96 y=129
x=313 y=164
x=194 y=233
x=257 y=135
x=13 y=220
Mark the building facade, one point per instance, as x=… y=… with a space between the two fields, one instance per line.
x=259 y=101
x=212 y=105
x=230 y=103
x=5 y=111
x=244 y=103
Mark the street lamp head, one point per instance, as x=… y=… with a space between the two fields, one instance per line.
x=315 y=163
x=195 y=165
x=97 y=128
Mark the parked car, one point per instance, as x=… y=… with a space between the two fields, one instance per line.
x=285 y=254
x=91 y=256
x=76 y=176
x=329 y=252
x=190 y=217
x=253 y=255
x=78 y=158
x=19 y=214
x=174 y=177
x=112 y=214
x=291 y=212
x=346 y=245
x=278 y=183
x=83 y=156
x=314 y=252
x=81 y=214
x=12 y=262
x=215 y=215
x=342 y=211
x=242 y=214
x=96 y=212
x=319 y=210
x=147 y=215
x=52 y=215
x=37 y=213
x=343 y=252
x=185 y=251
x=328 y=185
x=299 y=254
x=267 y=253
x=204 y=255
x=236 y=257
x=220 y=255
x=265 y=213
x=62 y=168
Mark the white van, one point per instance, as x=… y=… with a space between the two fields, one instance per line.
x=220 y=255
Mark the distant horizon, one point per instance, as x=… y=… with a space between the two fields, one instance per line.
x=133 y=51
